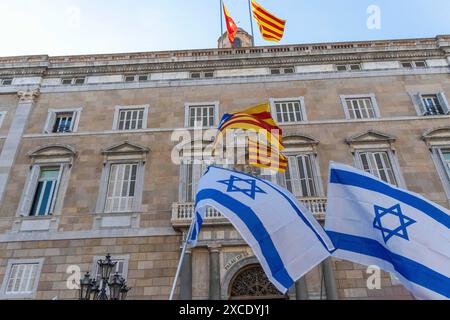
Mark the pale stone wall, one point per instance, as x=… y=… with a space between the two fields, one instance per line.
x=8 y=103
x=153 y=259
x=152 y=264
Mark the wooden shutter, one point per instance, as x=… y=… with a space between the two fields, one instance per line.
x=281 y=179
x=56 y=193
x=50 y=122
x=443 y=102
x=418 y=101
x=295 y=176
x=182 y=193
x=29 y=191
x=197 y=171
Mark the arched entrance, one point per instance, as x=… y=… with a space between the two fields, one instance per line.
x=252 y=283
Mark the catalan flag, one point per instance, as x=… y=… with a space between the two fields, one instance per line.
x=271 y=27
x=232 y=28
x=264 y=156
x=264 y=150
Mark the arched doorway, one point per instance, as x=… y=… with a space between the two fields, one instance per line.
x=252 y=283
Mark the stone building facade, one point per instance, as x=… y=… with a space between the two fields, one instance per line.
x=86 y=144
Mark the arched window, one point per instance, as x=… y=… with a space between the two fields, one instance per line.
x=253 y=283
x=237 y=43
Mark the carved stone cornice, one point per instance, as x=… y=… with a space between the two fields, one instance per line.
x=28 y=96
x=169 y=61
x=247 y=62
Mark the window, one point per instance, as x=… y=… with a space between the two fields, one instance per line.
x=73 y=81
x=378 y=164
x=237 y=43
x=202 y=115
x=62 y=120
x=6 y=82
x=63 y=123
x=446 y=160
x=136 y=78
x=122 y=180
x=289 y=110
x=300 y=178
x=130 y=118
x=431 y=104
x=414 y=64
x=46 y=192
x=21 y=278
x=121 y=268
x=121 y=193
x=283 y=70
x=202 y=74
x=348 y=67
x=191 y=172
x=441 y=159
x=360 y=107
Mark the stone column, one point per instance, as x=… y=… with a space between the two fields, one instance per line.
x=214 y=273
x=14 y=137
x=301 y=289
x=186 y=277
x=330 y=280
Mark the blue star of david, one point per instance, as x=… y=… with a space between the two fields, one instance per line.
x=251 y=191
x=404 y=222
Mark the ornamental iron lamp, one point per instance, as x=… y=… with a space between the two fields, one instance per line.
x=91 y=289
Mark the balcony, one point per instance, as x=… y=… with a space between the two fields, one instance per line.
x=182 y=212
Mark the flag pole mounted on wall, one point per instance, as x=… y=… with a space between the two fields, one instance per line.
x=251 y=21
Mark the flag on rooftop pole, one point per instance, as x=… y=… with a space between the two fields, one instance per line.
x=271 y=27
x=284 y=235
x=232 y=28
x=373 y=223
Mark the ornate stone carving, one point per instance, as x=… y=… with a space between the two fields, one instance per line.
x=253 y=282
x=28 y=95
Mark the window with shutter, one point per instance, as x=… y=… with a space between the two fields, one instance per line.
x=360 y=108
x=121 y=192
x=288 y=111
x=445 y=157
x=201 y=116
x=21 y=279
x=300 y=178
x=432 y=105
x=378 y=164
x=46 y=191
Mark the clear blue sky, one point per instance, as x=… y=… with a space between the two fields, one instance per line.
x=62 y=27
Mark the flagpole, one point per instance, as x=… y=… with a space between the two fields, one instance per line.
x=183 y=254
x=251 y=22
x=221 y=21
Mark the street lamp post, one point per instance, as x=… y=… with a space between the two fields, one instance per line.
x=90 y=289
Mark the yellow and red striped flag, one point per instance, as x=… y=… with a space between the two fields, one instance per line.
x=265 y=156
x=265 y=149
x=271 y=27
x=232 y=28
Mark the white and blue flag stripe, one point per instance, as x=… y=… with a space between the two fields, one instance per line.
x=374 y=223
x=283 y=234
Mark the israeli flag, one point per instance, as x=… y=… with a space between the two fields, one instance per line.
x=373 y=223
x=285 y=237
